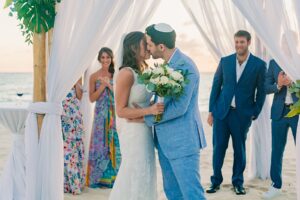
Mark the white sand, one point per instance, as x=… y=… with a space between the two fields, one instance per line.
x=254 y=188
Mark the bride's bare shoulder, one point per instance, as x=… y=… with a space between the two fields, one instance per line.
x=126 y=72
x=125 y=75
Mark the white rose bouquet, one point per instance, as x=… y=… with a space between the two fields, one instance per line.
x=164 y=81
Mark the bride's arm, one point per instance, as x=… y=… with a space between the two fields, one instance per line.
x=124 y=83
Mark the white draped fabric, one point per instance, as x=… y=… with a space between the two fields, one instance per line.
x=280 y=38
x=81 y=29
x=86 y=109
x=12 y=182
x=217 y=21
x=138 y=17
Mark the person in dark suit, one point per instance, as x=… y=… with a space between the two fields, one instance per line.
x=277 y=83
x=236 y=99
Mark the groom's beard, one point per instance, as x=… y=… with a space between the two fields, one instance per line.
x=156 y=55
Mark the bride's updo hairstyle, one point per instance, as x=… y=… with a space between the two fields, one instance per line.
x=131 y=50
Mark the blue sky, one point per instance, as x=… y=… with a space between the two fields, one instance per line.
x=16 y=55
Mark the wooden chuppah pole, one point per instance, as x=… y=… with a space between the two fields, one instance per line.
x=42 y=43
x=39 y=71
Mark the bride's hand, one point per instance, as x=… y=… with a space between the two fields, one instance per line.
x=157 y=108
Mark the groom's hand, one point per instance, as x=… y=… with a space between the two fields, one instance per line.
x=210 y=119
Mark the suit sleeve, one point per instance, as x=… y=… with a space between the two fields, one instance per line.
x=270 y=83
x=260 y=94
x=216 y=86
x=175 y=108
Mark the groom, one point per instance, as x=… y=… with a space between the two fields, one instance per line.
x=179 y=136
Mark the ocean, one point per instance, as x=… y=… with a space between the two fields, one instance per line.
x=13 y=83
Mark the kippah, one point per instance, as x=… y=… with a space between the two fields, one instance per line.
x=163 y=27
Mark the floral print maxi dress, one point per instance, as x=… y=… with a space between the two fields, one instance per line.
x=72 y=129
x=104 y=155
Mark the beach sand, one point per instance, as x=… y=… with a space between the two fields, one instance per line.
x=254 y=188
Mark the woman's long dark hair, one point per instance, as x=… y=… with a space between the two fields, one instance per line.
x=110 y=53
x=131 y=50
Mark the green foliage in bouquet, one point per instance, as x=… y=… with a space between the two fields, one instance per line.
x=295 y=109
x=35 y=16
x=164 y=81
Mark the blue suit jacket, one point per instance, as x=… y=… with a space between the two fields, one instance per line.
x=249 y=90
x=279 y=95
x=180 y=133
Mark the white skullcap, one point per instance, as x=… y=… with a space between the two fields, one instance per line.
x=163 y=27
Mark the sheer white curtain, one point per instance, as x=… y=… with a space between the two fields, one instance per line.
x=12 y=179
x=81 y=28
x=272 y=32
x=217 y=21
x=137 y=19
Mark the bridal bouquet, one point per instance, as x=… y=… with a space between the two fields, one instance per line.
x=295 y=109
x=164 y=81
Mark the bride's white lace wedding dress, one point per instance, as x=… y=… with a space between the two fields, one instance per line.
x=136 y=179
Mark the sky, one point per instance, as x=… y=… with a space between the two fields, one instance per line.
x=16 y=55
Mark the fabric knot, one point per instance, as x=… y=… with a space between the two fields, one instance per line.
x=45 y=108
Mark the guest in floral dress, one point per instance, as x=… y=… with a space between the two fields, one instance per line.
x=72 y=129
x=104 y=155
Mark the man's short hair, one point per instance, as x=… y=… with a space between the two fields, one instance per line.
x=243 y=33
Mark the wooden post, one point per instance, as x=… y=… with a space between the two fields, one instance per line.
x=49 y=44
x=39 y=71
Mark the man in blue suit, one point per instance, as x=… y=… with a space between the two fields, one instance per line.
x=277 y=83
x=236 y=99
x=179 y=136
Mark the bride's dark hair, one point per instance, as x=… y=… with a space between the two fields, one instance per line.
x=131 y=50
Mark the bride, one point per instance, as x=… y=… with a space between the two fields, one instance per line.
x=137 y=175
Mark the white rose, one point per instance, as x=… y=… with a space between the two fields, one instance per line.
x=170 y=70
x=158 y=70
x=163 y=80
x=154 y=80
x=173 y=83
x=177 y=76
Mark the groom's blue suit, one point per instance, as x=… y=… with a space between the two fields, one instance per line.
x=180 y=136
x=235 y=121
